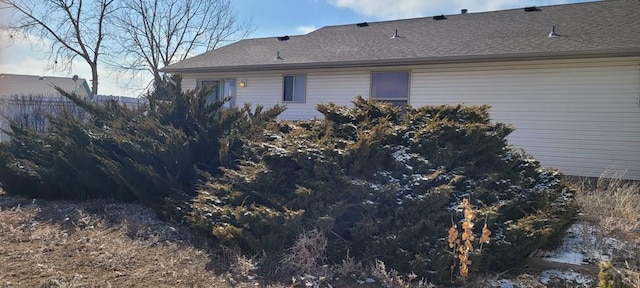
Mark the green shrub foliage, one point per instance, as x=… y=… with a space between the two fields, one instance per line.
x=381 y=182
x=147 y=154
x=385 y=183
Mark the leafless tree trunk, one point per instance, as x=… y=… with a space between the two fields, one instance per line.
x=74 y=29
x=156 y=33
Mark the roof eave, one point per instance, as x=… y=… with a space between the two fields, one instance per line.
x=629 y=52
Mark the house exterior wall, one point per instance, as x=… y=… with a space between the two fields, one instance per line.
x=581 y=116
x=323 y=86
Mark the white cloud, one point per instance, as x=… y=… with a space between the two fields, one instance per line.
x=305 y=29
x=21 y=56
x=397 y=9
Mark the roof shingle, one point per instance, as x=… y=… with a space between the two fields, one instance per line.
x=14 y=84
x=609 y=27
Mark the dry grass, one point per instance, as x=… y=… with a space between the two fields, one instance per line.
x=349 y=267
x=613 y=203
x=308 y=253
x=106 y=244
x=391 y=278
x=103 y=244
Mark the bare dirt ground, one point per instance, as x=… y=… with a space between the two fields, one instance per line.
x=102 y=244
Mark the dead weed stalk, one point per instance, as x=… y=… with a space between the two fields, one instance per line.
x=462 y=244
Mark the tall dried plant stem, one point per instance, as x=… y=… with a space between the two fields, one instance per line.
x=463 y=246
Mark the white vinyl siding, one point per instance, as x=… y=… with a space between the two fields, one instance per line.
x=581 y=116
x=265 y=90
x=189 y=83
x=339 y=87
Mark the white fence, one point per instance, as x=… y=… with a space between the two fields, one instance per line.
x=32 y=110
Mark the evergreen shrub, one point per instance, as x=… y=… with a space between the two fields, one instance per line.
x=385 y=183
x=152 y=153
x=382 y=183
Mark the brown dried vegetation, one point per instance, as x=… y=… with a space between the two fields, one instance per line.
x=463 y=246
x=102 y=244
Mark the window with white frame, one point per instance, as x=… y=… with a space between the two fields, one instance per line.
x=294 y=88
x=390 y=86
x=220 y=90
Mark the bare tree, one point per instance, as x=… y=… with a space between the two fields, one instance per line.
x=156 y=33
x=74 y=29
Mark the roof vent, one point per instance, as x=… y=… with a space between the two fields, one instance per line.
x=531 y=9
x=283 y=38
x=395 y=35
x=553 y=32
x=464 y=11
x=439 y=17
x=363 y=24
x=278 y=56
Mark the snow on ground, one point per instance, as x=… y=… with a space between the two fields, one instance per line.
x=576 y=246
x=582 y=246
x=579 y=247
x=575 y=278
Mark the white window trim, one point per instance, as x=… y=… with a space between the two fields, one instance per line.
x=306 y=85
x=407 y=99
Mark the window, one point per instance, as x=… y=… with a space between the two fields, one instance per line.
x=294 y=88
x=220 y=89
x=390 y=86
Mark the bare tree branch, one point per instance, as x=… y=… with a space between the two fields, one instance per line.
x=74 y=30
x=155 y=33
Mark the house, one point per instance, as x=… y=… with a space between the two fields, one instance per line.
x=30 y=97
x=23 y=85
x=566 y=76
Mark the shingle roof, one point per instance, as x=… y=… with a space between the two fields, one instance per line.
x=13 y=84
x=609 y=27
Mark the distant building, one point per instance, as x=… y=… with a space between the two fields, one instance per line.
x=30 y=97
x=20 y=85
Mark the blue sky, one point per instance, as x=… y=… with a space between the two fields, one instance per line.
x=270 y=18
x=287 y=17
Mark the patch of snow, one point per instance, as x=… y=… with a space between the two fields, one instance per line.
x=359 y=182
x=573 y=277
x=502 y=283
x=369 y=280
x=369 y=202
x=569 y=257
x=443 y=177
x=614 y=243
x=579 y=246
x=403 y=154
